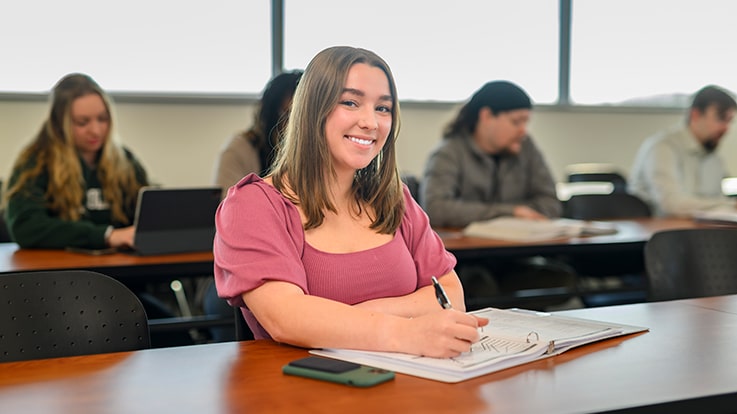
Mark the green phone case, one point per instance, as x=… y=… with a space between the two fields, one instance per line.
x=361 y=377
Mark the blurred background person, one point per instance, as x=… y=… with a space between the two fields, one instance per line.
x=250 y=151
x=679 y=171
x=488 y=166
x=76 y=186
x=253 y=150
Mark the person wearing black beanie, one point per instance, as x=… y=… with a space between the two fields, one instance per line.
x=487 y=166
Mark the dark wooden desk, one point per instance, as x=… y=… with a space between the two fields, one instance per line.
x=631 y=236
x=684 y=364
x=122 y=266
x=592 y=257
x=629 y=240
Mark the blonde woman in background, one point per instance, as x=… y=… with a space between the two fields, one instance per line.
x=75 y=185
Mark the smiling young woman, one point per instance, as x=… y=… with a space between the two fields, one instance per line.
x=330 y=249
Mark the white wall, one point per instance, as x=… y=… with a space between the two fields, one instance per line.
x=178 y=143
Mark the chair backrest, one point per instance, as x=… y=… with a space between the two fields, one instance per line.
x=620 y=183
x=413 y=183
x=605 y=206
x=596 y=172
x=691 y=263
x=64 y=313
x=4 y=233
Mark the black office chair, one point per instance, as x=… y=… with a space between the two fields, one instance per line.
x=620 y=183
x=413 y=183
x=624 y=272
x=216 y=306
x=691 y=263
x=65 y=313
x=4 y=233
x=617 y=205
x=596 y=172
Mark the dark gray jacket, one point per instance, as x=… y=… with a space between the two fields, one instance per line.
x=461 y=183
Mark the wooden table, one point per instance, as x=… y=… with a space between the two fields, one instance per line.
x=684 y=364
x=592 y=257
x=631 y=236
x=630 y=239
x=122 y=266
x=128 y=268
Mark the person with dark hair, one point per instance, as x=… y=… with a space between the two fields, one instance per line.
x=330 y=249
x=253 y=150
x=487 y=165
x=678 y=171
x=250 y=151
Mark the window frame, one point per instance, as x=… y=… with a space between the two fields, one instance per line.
x=563 y=101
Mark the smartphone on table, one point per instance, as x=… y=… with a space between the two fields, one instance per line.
x=335 y=370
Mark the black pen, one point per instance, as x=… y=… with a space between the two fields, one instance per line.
x=440 y=294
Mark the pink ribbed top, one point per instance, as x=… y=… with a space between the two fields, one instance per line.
x=260 y=237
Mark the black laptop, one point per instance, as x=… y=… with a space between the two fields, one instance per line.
x=175 y=220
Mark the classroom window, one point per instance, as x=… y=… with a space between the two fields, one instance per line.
x=624 y=52
x=437 y=51
x=213 y=47
x=654 y=52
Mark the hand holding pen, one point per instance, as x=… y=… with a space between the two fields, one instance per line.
x=440 y=294
x=448 y=333
x=444 y=301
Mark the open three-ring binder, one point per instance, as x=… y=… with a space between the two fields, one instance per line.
x=512 y=337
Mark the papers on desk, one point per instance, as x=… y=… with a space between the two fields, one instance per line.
x=512 y=337
x=720 y=215
x=517 y=229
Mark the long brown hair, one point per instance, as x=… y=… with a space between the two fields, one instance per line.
x=303 y=162
x=53 y=151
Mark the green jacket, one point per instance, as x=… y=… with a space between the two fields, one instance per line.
x=31 y=224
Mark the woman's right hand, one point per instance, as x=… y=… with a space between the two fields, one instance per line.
x=443 y=334
x=122 y=237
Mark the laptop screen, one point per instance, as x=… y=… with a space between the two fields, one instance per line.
x=173 y=220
